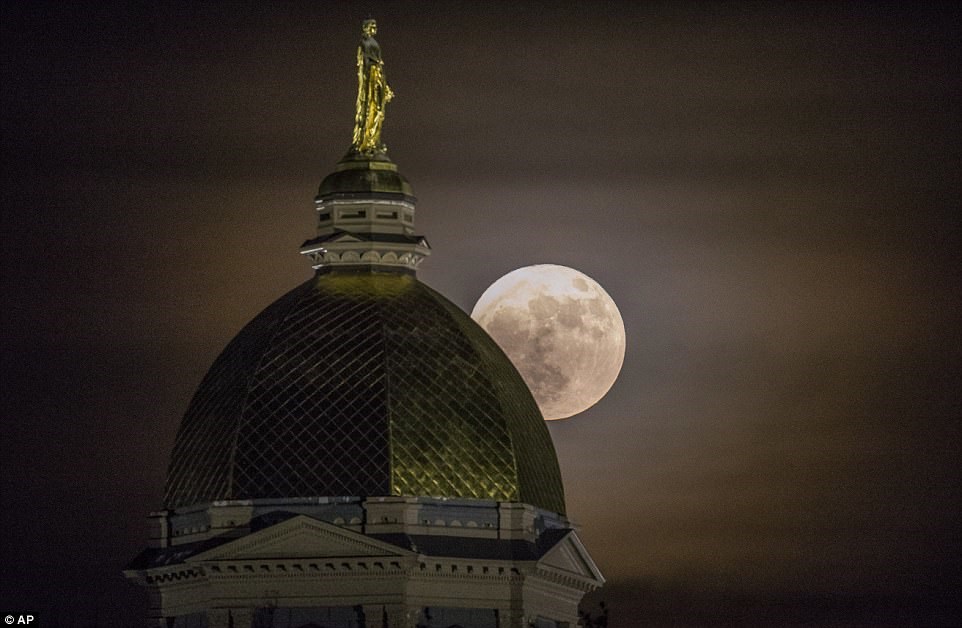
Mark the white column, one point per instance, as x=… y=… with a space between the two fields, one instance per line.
x=230 y=618
x=512 y=618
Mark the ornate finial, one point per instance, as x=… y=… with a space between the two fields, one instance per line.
x=373 y=93
x=365 y=208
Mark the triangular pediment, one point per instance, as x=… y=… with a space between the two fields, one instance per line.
x=569 y=557
x=301 y=537
x=344 y=236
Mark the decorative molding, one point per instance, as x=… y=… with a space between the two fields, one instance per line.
x=568 y=563
x=302 y=537
x=344 y=252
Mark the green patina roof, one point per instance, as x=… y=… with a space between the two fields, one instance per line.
x=356 y=174
x=363 y=384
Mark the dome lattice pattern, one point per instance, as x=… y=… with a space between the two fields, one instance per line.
x=363 y=384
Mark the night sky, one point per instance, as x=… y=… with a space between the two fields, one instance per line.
x=770 y=193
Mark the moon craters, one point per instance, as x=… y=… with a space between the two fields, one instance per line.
x=561 y=330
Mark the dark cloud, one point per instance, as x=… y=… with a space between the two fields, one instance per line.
x=770 y=194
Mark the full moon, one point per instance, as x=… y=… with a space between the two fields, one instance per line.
x=561 y=330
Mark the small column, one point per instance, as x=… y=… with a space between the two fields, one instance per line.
x=400 y=616
x=512 y=618
x=230 y=618
x=374 y=615
x=389 y=616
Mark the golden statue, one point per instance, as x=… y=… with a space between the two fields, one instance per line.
x=373 y=93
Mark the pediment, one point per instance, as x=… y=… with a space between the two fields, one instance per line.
x=301 y=537
x=570 y=558
x=343 y=236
